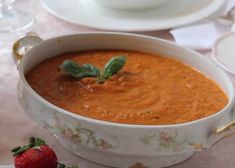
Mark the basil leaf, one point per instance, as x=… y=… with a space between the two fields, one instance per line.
x=92 y=69
x=78 y=71
x=104 y=77
x=114 y=65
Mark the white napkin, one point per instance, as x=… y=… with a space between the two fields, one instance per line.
x=202 y=36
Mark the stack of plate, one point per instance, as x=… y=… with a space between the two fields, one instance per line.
x=173 y=13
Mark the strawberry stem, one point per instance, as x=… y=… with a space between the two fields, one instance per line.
x=33 y=143
x=20 y=150
x=61 y=165
x=16 y=149
x=39 y=142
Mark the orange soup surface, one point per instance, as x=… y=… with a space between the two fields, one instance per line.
x=149 y=90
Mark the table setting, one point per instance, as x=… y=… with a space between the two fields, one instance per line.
x=199 y=33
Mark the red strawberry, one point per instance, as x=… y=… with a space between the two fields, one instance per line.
x=36 y=155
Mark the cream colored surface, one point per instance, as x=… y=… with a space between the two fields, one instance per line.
x=16 y=127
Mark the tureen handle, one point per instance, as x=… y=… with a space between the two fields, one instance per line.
x=23 y=45
x=224 y=131
x=225 y=128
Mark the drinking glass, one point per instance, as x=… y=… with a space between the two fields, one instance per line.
x=13 y=19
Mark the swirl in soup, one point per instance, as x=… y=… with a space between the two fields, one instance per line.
x=150 y=89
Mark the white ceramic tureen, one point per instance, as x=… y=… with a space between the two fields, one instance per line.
x=114 y=144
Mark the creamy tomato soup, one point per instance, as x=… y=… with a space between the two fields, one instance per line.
x=150 y=89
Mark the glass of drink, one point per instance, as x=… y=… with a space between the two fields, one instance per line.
x=13 y=19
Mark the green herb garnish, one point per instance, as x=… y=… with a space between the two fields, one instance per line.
x=113 y=66
x=78 y=71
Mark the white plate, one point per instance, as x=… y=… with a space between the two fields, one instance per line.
x=170 y=15
x=7 y=166
x=223 y=52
